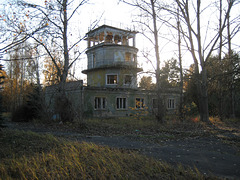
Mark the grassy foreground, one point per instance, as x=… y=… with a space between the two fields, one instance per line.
x=27 y=155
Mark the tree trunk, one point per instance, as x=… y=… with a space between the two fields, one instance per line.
x=181 y=69
x=204 y=115
x=220 y=91
x=160 y=112
x=65 y=47
x=232 y=94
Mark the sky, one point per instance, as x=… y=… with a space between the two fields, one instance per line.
x=120 y=15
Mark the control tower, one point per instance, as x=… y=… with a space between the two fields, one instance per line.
x=112 y=58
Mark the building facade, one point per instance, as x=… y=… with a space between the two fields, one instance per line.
x=112 y=69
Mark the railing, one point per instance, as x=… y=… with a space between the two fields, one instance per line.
x=111 y=62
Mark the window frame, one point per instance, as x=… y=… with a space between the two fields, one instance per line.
x=128 y=57
x=113 y=80
x=142 y=103
x=171 y=103
x=125 y=75
x=100 y=100
x=123 y=103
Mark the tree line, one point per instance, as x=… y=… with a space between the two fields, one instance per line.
x=202 y=28
x=220 y=85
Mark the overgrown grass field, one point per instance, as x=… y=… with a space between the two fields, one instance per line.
x=146 y=129
x=27 y=155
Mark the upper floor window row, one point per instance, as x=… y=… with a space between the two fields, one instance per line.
x=112 y=79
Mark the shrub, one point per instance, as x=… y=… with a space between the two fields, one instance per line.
x=139 y=111
x=22 y=114
x=31 y=109
x=190 y=109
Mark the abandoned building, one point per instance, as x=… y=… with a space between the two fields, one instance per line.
x=112 y=69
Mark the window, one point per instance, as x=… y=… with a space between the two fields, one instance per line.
x=128 y=79
x=121 y=103
x=112 y=79
x=171 y=103
x=140 y=103
x=100 y=103
x=127 y=56
x=93 y=60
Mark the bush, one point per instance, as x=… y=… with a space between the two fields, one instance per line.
x=190 y=109
x=31 y=109
x=22 y=114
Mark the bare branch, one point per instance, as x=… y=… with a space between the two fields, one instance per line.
x=80 y=4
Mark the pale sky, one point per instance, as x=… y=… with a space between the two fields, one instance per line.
x=120 y=15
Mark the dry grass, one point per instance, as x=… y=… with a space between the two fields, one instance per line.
x=145 y=127
x=27 y=155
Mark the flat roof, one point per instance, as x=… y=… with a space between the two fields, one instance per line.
x=110 y=27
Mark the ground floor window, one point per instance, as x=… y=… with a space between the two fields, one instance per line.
x=139 y=103
x=121 y=103
x=171 y=103
x=100 y=103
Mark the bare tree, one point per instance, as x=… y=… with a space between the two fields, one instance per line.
x=180 y=66
x=200 y=50
x=151 y=24
x=200 y=39
x=230 y=56
x=48 y=24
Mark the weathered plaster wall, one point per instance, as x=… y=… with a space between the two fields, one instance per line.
x=111 y=96
x=98 y=77
x=83 y=99
x=102 y=55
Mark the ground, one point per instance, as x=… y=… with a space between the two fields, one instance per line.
x=212 y=150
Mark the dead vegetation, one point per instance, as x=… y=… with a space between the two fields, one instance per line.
x=27 y=155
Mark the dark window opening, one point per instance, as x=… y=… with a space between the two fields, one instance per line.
x=112 y=79
x=140 y=103
x=128 y=79
x=171 y=104
x=121 y=103
x=100 y=103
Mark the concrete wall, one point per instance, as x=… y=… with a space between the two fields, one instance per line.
x=105 y=55
x=111 y=96
x=97 y=78
x=83 y=100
